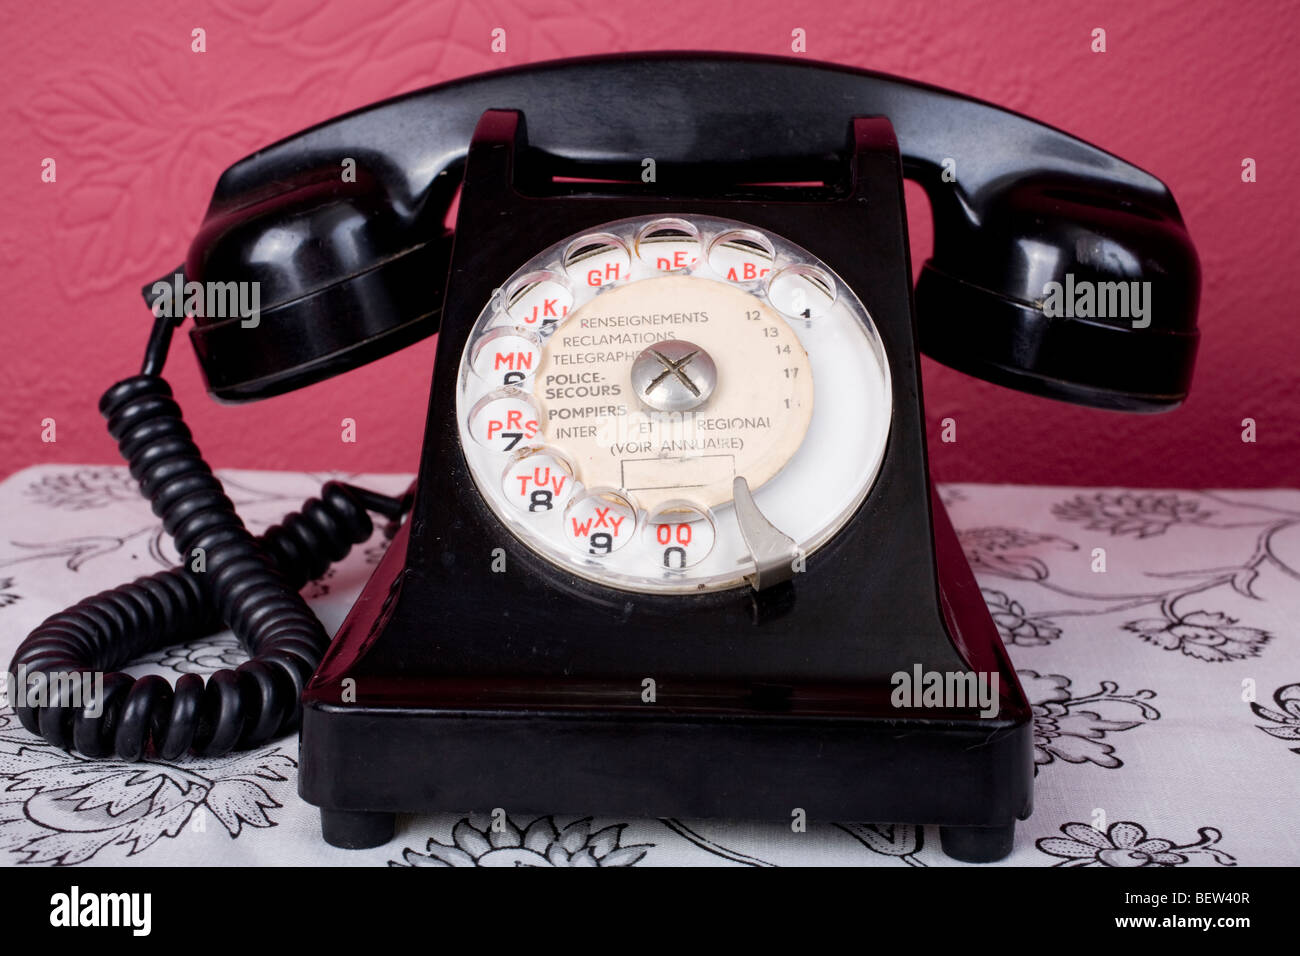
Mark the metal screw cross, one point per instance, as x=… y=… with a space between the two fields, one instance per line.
x=677 y=369
x=662 y=381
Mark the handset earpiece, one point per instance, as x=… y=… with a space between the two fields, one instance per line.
x=1068 y=288
x=330 y=269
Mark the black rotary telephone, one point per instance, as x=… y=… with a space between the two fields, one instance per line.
x=673 y=549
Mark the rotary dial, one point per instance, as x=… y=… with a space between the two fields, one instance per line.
x=674 y=404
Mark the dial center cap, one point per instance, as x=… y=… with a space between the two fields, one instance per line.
x=674 y=376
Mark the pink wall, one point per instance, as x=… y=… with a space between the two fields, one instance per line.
x=140 y=128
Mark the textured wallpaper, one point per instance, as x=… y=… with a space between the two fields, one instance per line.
x=139 y=125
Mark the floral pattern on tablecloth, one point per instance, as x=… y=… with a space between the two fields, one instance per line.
x=1154 y=633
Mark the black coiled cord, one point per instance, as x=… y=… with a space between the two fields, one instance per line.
x=250 y=584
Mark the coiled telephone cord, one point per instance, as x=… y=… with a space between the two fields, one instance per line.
x=251 y=584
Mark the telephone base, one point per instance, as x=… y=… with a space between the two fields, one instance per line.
x=383 y=738
x=974 y=785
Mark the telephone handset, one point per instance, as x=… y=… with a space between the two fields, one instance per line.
x=1016 y=205
x=675 y=441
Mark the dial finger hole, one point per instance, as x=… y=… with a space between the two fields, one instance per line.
x=597 y=260
x=538 y=481
x=743 y=256
x=669 y=245
x=504 y=420
x=506 y=355
x=538 y=300
x=599 y=522
x=679 y=535
x=802 y=291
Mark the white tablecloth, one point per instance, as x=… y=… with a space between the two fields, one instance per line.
x=1166 y=693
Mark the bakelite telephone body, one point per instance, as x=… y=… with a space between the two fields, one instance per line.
x=673 y=535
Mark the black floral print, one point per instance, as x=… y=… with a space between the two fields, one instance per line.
x=540 y=843
x=318 y=588
x=202 y=656
x=1180 y=579
x=1072 y=728
x=1205 y=635
x=84 y=488
x=1129 y=512
x=1127 y=845
x=951 y=497
x=1287 y=717
x=900 y=840
x=1201 y=633
x=1014 y=625
x=57 y=808
x=1010 y=552
x=374 y=552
